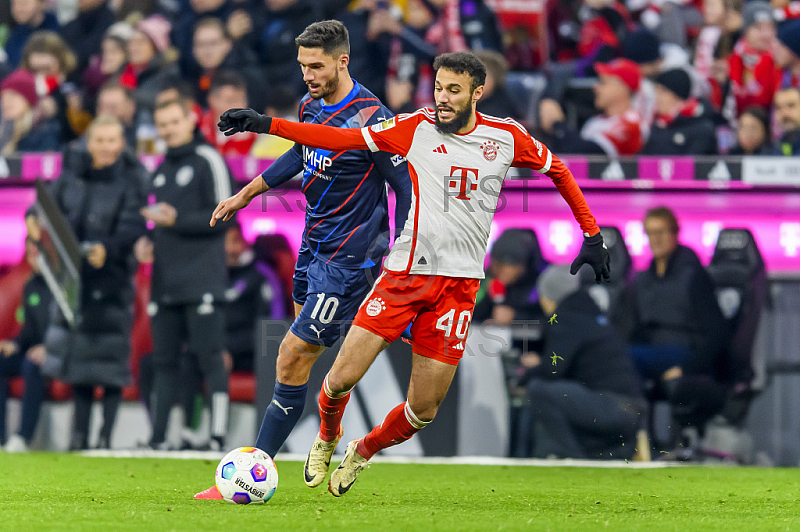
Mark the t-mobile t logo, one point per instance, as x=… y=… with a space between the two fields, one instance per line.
x=465 y=184
x=790 y=238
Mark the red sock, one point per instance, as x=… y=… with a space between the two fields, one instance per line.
x=399 y=426
x=331 y=410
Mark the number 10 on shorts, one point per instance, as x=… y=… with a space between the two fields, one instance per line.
x=445 y=323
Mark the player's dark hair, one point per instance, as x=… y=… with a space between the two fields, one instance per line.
x=330 y=35
x=462 y=63
x=664 y=213
x=227 y=78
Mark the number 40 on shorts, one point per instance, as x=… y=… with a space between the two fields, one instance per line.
x=445 y=323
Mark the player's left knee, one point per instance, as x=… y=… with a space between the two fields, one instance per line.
x=424 y=410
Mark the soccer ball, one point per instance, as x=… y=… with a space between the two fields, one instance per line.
x=247 y=475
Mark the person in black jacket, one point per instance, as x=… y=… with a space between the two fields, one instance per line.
x=508 y=294
x=674 y=326
x=189 y=273
x=585 y=395
x=254 y=293
x=24 y=355
x=99 y=193
x=683 y=125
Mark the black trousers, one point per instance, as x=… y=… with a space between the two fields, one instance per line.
x=199 y=328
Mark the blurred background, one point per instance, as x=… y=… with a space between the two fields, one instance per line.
x=679 y=118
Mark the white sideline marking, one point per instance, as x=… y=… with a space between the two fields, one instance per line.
x=454 y=460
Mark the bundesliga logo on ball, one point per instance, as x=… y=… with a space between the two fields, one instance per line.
x=246 y=476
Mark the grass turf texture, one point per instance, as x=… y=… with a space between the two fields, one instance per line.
x=68 y=492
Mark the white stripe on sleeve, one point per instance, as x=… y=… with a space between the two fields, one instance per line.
x=368 y=139
x=546 y=167
x=219 y=172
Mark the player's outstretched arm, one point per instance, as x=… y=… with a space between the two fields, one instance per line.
x=228 y=207
x=331 y=138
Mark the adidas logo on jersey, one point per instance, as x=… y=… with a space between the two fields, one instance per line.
x=422 y=261
x=459 y=346
x=440 y=149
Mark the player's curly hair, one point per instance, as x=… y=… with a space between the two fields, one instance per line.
x=460 y=63
x=330 y=35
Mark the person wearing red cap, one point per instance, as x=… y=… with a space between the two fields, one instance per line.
x=618 y=130
x=19 y=129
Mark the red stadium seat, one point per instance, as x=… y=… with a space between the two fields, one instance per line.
x=11 y=284
x=242 y=387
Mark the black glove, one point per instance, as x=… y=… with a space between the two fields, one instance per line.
x=594 y=253
x=235 y=121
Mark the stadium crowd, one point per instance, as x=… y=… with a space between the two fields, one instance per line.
x=668 y=77
x=661 y=77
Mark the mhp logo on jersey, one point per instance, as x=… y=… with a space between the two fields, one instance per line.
x=315 y=159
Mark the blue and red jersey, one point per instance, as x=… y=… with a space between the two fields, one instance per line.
x=347 y=214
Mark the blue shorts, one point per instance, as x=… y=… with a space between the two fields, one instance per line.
x=330 y=296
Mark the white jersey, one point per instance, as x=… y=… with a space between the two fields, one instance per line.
x=456 y=181
x=456 y=186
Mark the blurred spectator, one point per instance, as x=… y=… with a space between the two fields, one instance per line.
x=787 y=116
x=183 y=31
x=23 y=356
x=787 y=53
x=117 y=101
x=463 y=25
x=365 y=25
x=48 y=57
x=85 y=32
x=509 y=291
x=683 y=125
x=618 y=131
x=495 y=100
x=605 y=25
x=254 y=293
x=149 y=63
x=673 y=20
x=22 y=130
x=585 y=394
x=752 y=133
x=100 y=193
x=109 y=63
x=674 y=325
x=431 y=27
x=785 y=9
x=285 y=19
x=228 y=91
x=215 y=51
x=720 y=17
x=177 y=89
x=753 y=73
x=189 y=274
x=29 y=17
x=644 y=48
x=282 y=102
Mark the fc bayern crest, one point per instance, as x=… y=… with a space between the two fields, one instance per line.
x=490 y=150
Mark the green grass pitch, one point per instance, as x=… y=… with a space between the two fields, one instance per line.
x=41 y=491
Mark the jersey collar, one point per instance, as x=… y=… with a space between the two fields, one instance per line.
x=347 y=99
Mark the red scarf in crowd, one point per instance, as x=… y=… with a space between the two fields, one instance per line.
x=754 y=76
x=691 y=107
